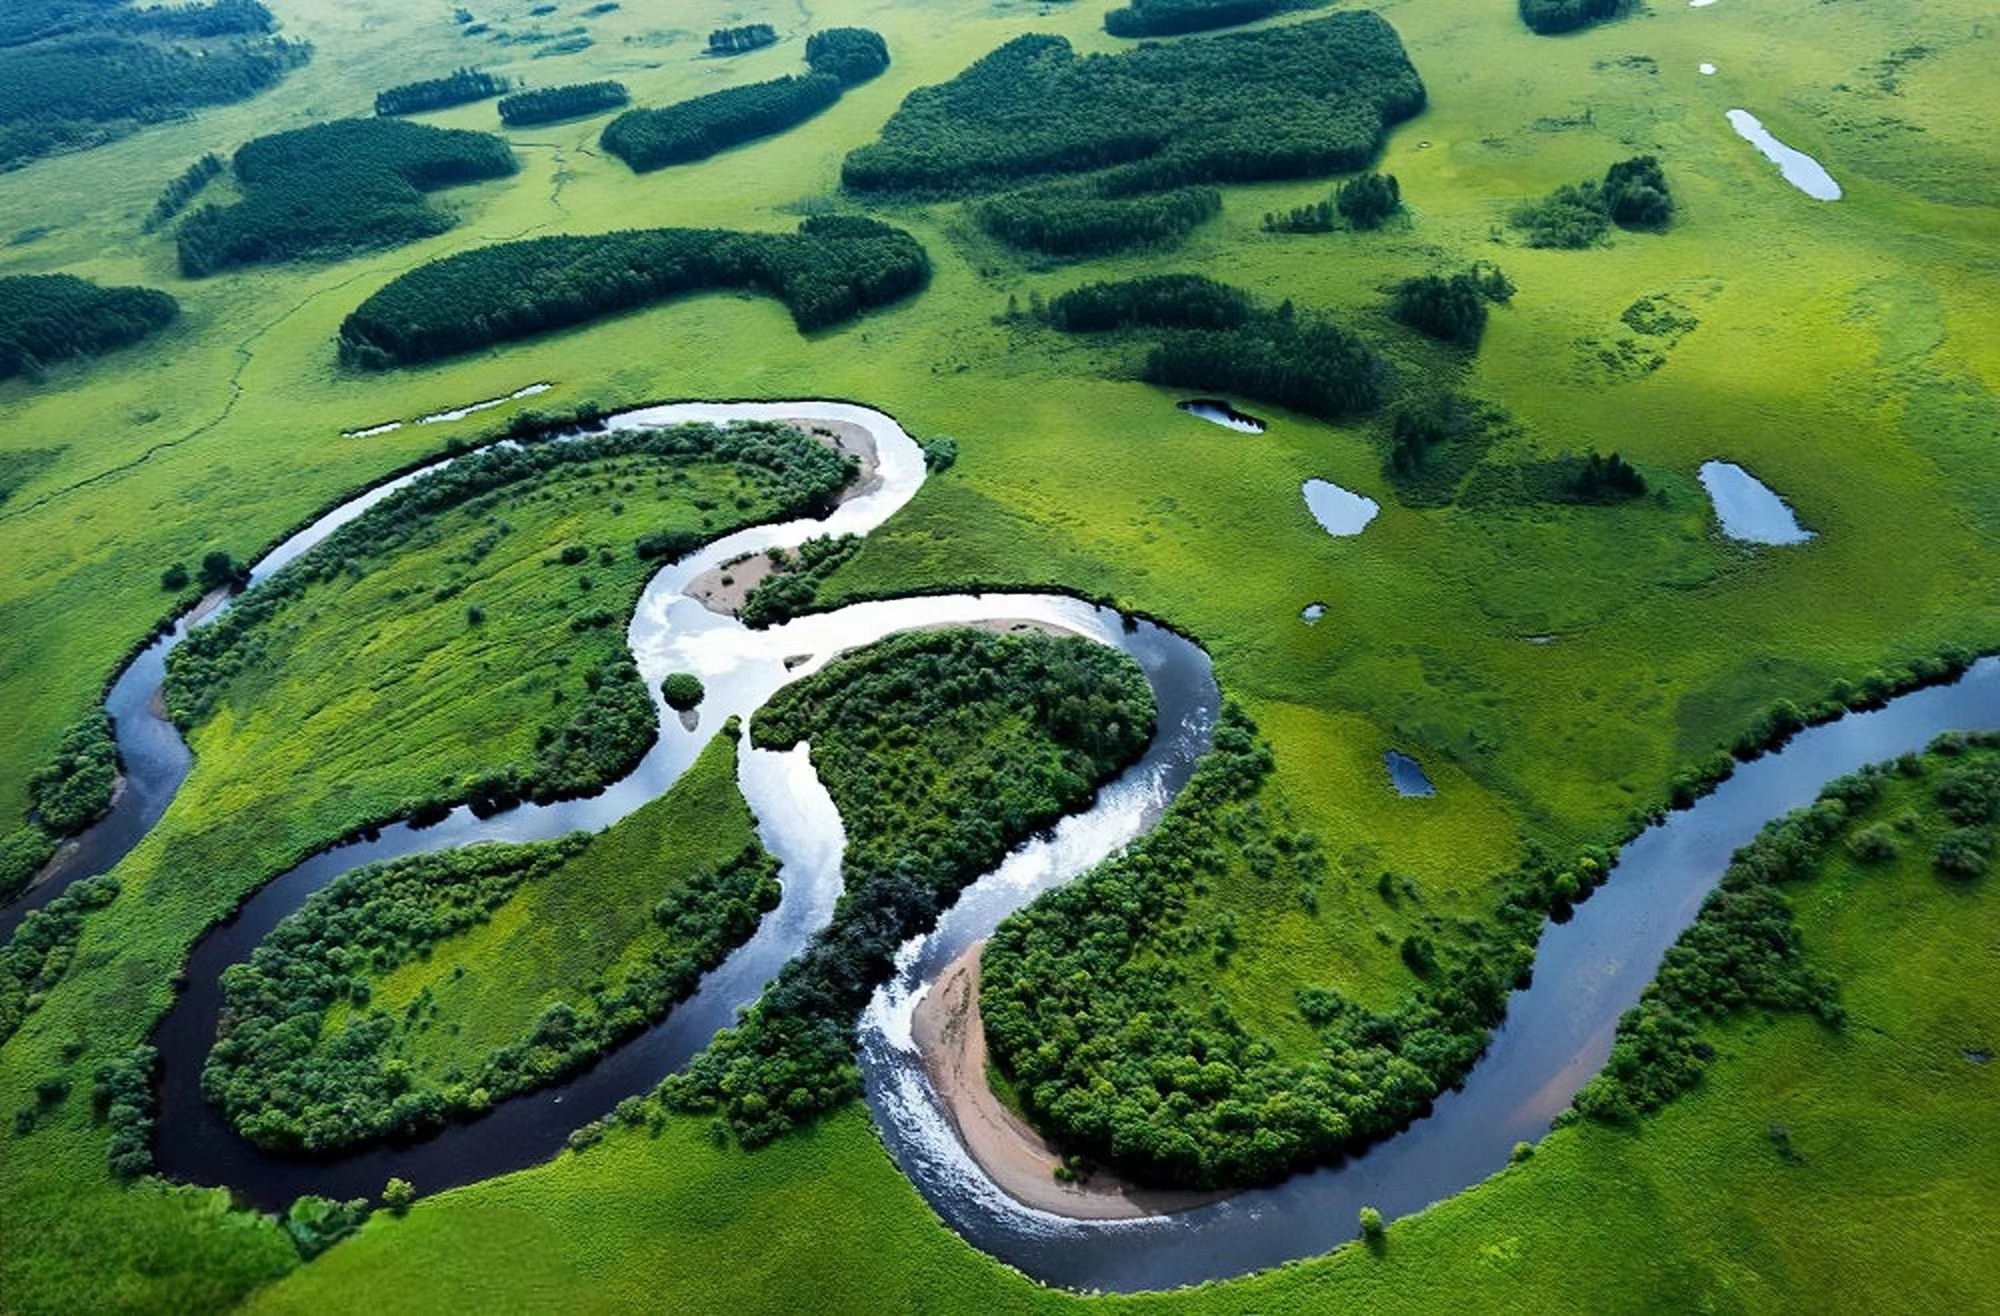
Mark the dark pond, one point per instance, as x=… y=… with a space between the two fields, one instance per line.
x=1218 y=412
x=1407 y=775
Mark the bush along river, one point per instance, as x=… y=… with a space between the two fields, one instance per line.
x=1555 y=1036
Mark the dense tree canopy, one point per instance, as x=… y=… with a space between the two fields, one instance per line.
x=1634 y=194
x=47 y=317
x=1451 y=308
x=1308 y=99
x=174 y=197
x=1552 y=16
x=547 y=104
x=76 y=74
x=460 y=88
x=1156 y=301
x=851 y=54
x=695 y=129
x=831 y=270
x=737 y=40
x=1073 y=221
x=1169 y=18
x=336 y=188
x=943 y=749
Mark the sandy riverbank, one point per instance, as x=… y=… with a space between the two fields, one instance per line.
x=723 y=588
x=952 y=1040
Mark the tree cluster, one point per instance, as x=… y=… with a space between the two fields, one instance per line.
x=737 y=40
x=1548 y=17
x=1156 y=301
x=548 y=104
x=37 y=956
x=795 y=578
x=175 y=196
x=695 y=129
x=1172 y=18
x=460 y=88
x=123 y=1099
x=832 y=269
x=47 y=317
x=337 y=188
x=1368 y=201
x=1634 y=194
x=288 y=1081
x=1450 y=308
x=73 y=789
x=73 y=76
x=943 y=750
x=1312 y=98
x=851 y=54
x=1069 y=221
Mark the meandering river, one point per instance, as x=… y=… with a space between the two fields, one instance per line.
x=1556 y=1034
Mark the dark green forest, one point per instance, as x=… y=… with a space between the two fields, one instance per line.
x=851 y=54
x=175 y=196
x=695 y=129
x=1634 y=195
x=737 y=40
x=78 y=73
x=1172 y=18
x=45 y=318
x=832 y=269
x=1450 y=308
x=1313 y=98
x=1067 y=220
x=337 y=188
x=943 y=750
x=548 y=104
x=1155 y=301
x=459 y=88
x=1549 y=17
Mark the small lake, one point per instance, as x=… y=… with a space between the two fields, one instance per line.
x=1800 y=170
x=1217 y=412
x=1407 y=775
x=1339 y=511
x=1747 y=507
x=1311 y=613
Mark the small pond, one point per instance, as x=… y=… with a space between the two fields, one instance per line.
x=1407 y=775
x=1747 y=507
x=1217 y=412
x=1339 y=511
x=1708 y=70
x=1800 y=170
x=1311 y=613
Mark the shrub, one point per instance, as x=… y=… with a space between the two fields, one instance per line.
x=682 y=691
x=397 y=1195
x=1963 y=852
x=175 y=578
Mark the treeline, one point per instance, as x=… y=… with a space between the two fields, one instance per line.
x=1313 y=98
x=1365 y=202
x=460 y=88
x=75 y=76
x=832 y=269
x=286 y=1082
x=548 y=104
x=1070 y=222
x=47 y=317
x=1548 y=17
x=1171 y=18
x=1450 y=308
x=943 y=750
x=337 y=188
x=1634 y=194
x=737 y=40
x=793 y=585
x=176 y=195
x=598 y=737
x=696 y=129
x=37 y=956
x=1219 y=340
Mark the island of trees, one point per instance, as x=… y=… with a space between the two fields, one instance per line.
x=1169 y=18
x=1549 y=17
x=832 y=269
x=737 y=40
x=1451 y=308
x=695 y=129
x=47 y=317
x=460 y=88
x=76 y=75
x=1217 y=338
x=1363 y=202
x=337 y=188
x=548 y=104
x=1314 y=98
x=1634 y=195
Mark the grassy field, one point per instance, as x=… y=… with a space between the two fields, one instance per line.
x=1889 y=1123
x=1846 y=353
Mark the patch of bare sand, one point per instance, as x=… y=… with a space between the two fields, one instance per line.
x=951 y=1038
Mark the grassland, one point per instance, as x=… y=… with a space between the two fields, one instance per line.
x=1847 y=354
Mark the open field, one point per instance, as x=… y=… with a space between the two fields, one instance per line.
x=1846 y=353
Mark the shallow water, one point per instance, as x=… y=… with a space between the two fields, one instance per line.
x=1407 y=775
x=1799 y=169
x=1747 y=507
x=1339 y=511
x=1217 y=412
x=1311 y=613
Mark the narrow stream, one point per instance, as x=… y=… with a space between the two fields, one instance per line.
x=1556 y=1034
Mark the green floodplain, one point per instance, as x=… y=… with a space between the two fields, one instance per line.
x=1565 y=641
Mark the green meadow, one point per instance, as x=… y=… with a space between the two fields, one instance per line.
x=1846 y=353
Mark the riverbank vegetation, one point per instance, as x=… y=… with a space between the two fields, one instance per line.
x=831 y=270
x=943 y=750
x=77 y=75
x=46 y=318
x=335 y=189
x=411 y=992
